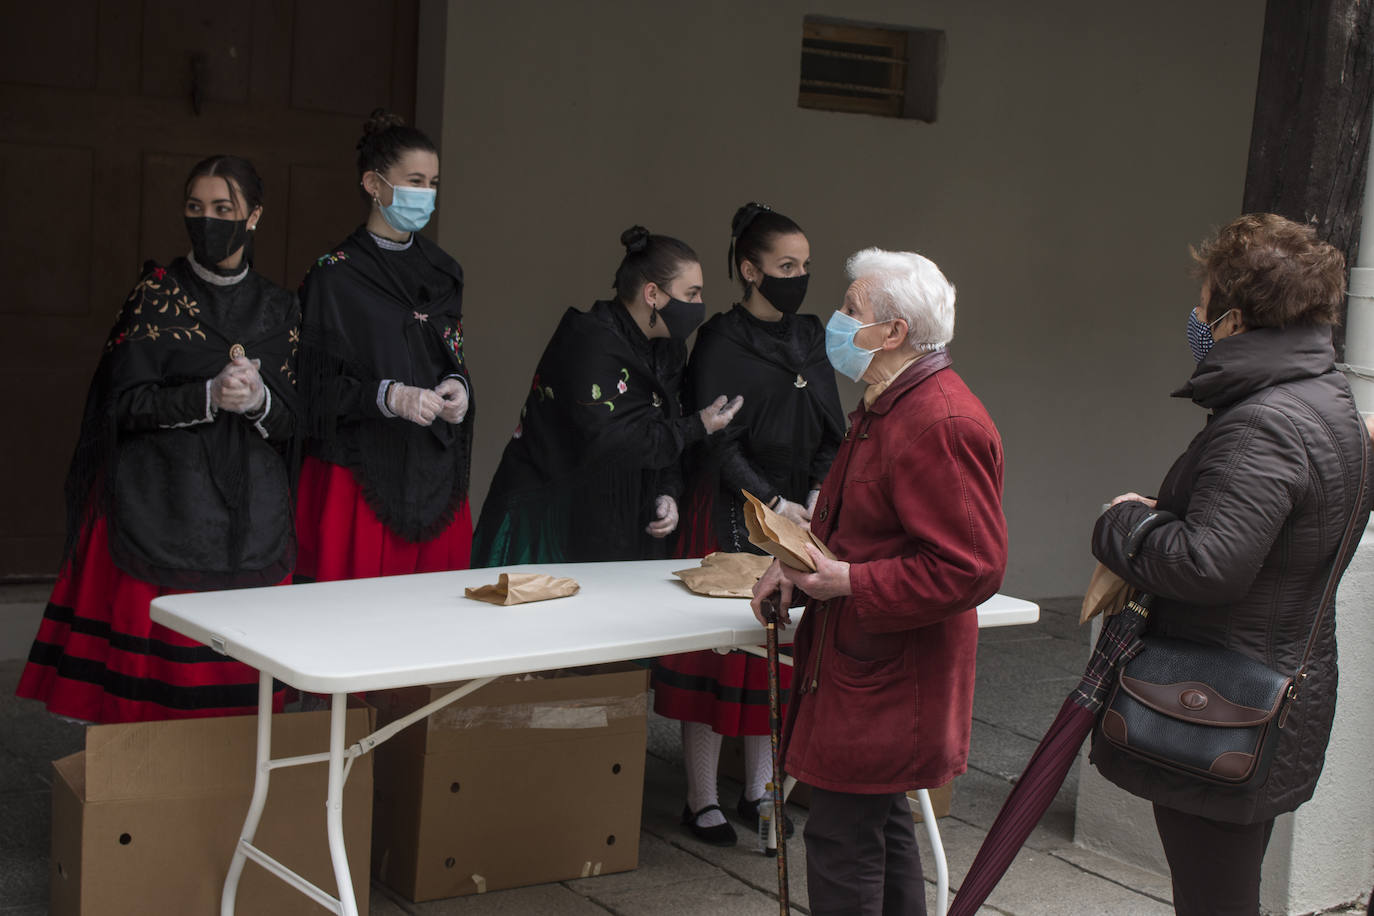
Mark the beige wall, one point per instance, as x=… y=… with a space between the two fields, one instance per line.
x=1080 y=147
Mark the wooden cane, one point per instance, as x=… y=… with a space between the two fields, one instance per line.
x=770 y=612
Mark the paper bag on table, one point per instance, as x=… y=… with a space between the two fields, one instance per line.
x=779 y=536
x=725 y=575
x=1107 y=594
x=521 y=588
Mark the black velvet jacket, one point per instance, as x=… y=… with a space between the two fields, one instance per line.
x=195 y=498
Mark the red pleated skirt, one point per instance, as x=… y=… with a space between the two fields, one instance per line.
x=727 y=692
x=340 y=537
x=99 y=657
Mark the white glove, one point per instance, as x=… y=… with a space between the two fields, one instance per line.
x=790 y=510
x=665 y=513
x=455 y=395
x=811 y=501
x=238 y=387
x=718 y=414
x=418 y=405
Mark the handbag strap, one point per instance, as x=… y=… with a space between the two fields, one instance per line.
x=1337 y=565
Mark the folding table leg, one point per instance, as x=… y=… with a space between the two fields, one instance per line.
x=348 y=904
x=260 y=781
x=937 y=849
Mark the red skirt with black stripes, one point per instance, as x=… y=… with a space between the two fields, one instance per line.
x=99 y=657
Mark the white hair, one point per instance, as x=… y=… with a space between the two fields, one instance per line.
x=906 y=285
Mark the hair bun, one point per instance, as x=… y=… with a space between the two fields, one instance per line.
x=635 y=239
x=744 y=216
x=381 y=120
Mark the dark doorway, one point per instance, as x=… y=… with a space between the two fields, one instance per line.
x=106 y=106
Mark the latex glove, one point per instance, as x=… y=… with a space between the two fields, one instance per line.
x=787 y=509
x=455 y=395
x=418 y=405
x=718 y=414
x=238 y=388
x=665 y=517
x=811 y=501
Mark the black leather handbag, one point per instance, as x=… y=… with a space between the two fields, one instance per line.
x=1209 y=712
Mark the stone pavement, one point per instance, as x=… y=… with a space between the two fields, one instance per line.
x=1023 y=675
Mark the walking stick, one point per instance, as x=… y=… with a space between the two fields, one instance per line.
x=770 y=612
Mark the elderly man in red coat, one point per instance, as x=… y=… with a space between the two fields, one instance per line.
x=912 y=508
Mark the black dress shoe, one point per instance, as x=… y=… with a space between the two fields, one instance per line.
x=749 y=814
x=717 y=835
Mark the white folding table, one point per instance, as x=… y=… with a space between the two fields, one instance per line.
x=347 y=637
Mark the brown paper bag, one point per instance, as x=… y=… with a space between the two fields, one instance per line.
x=1107 y=594
x=781 y=537
x=521 y=588
x=725 y=575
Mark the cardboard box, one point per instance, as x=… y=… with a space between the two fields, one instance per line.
x=147 y=818
x=732 y=766
x=528 y=780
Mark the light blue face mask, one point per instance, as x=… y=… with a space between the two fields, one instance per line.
x=410 y=208
x=845 y=355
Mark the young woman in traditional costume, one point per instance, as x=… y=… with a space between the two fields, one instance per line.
x=592 y=470
x=389 y=405
x=180 y=480
x=779 y=448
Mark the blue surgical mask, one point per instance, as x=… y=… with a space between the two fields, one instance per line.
x=1200 y=339
x=409 y=209
x=845 y=355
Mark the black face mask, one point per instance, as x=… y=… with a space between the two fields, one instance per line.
x=682 y=318
x=784 y=293
x=213 y=240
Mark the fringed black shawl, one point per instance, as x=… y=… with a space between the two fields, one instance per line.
x=600 y=437
x=372 y=315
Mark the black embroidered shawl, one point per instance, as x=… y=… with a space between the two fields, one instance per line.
x=194 y=499
x=371 y=315
x=599 y=439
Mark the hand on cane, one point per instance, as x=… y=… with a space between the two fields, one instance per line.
x=776 y=591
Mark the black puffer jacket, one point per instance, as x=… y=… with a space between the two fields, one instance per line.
x=1263 y=495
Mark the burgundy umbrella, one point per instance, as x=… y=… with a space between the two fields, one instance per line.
x=1044 y=774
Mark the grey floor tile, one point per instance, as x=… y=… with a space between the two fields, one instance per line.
x=19 y=623
x=1024 y=709
x=551 y=899
x=27 y=818
x=1004 y=665
x=701 y=897
x=24 y=878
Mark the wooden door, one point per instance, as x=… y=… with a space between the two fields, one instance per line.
x=107 y=104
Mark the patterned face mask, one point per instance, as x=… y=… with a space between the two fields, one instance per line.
x=1200 y=334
